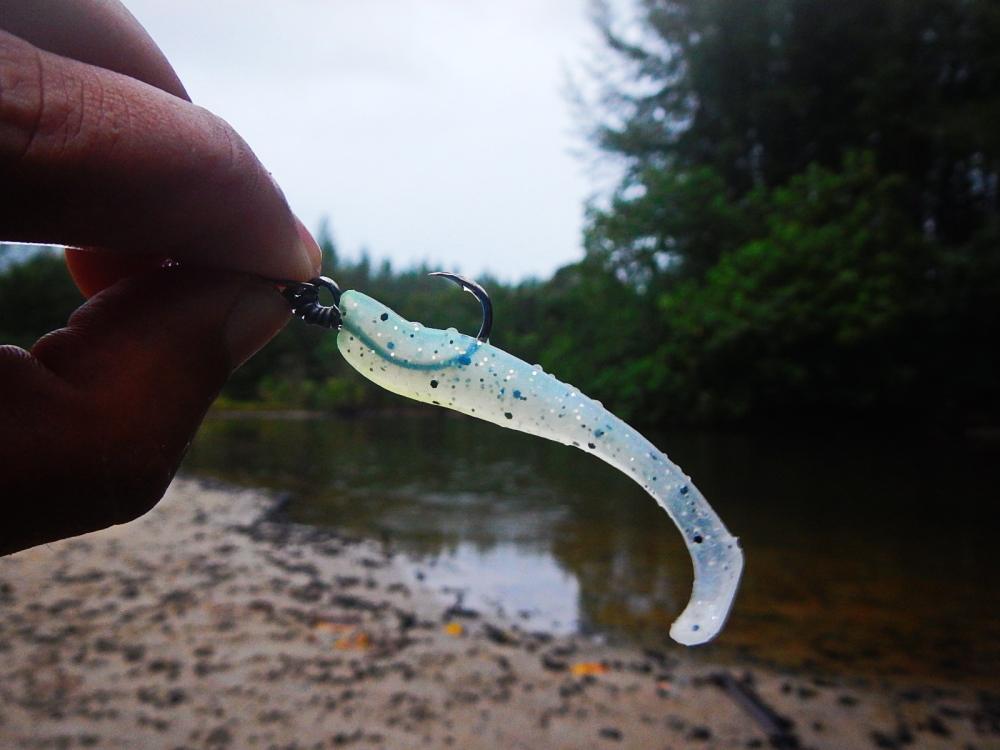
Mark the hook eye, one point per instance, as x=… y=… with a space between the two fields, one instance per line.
x=480 y=294
x=303 y=296
x=325 y=282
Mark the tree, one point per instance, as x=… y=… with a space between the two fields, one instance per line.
x=759 y=90
x=809 y=203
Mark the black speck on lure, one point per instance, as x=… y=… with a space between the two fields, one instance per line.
x=467 y=374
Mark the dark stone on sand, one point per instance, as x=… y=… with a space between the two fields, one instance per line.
x=62 y=605
x=307 y=568
x=610 y=733
x=160 y=725
x=456 y=612
x=346 y=738
x=553 y=664
x=133 y=652
x=354 y=602
x=131 y=591
x=178 y=598
x=569 y=689
x=272 y=716
x=406 y=620
x=567 y=649
x=934 y=725
x=88 y=576
x=903 y=735
x=310 y=593
x=700 y=734
x=220 y=737
x=169 y=667
x=203 y=668
x=847 y=700
x=883 y=740
x=261 y=605
x=498 y=635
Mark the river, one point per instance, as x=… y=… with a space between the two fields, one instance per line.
x=868 y=555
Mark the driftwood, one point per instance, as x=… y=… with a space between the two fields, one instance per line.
x=777 y=728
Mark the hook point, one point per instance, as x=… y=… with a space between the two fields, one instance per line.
x=480 y=294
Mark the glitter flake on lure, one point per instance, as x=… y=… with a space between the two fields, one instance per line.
x=460 y=372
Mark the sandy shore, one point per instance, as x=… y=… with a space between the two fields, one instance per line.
x=209 y=624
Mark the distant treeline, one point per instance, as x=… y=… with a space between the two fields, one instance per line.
x=808 y=226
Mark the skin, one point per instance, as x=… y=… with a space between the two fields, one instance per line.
x=101 y=149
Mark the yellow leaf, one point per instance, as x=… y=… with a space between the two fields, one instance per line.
x=454 y=628
x=358 y=641
x=583 y=668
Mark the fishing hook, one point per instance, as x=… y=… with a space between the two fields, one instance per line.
x=480 y=294
x=303 y=296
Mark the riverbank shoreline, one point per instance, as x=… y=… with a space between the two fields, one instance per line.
x=211 y=622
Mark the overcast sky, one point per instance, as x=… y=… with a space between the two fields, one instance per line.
x=424 y=129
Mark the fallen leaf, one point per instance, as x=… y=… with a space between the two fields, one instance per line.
x=583 y=668
x=358 y=641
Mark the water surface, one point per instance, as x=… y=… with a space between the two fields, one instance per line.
x=865 y=555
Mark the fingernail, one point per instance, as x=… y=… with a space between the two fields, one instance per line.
x=311 y=248
x=257 y=314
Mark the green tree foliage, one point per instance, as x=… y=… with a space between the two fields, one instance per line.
x=809 y=204
x=813 y=312
x=36 y=294
x=760 y=90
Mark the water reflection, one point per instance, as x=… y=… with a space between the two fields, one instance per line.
x=864 y=555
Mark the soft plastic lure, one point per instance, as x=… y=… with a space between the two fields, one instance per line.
x=468 y=374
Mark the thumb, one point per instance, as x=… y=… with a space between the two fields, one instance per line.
x=100 y=414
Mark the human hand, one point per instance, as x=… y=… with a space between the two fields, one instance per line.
x=100 y=148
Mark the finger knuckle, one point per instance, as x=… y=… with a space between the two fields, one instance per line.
x=232 y=164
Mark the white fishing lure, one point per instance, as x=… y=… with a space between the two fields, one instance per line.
x=450 y=369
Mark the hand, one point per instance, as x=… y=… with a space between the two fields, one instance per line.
x=100 y=148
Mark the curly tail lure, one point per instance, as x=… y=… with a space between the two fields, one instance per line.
x=468 y=374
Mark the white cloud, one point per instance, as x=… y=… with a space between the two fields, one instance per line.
x=425 y=130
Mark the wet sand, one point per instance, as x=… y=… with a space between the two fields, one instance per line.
x=211 y=623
